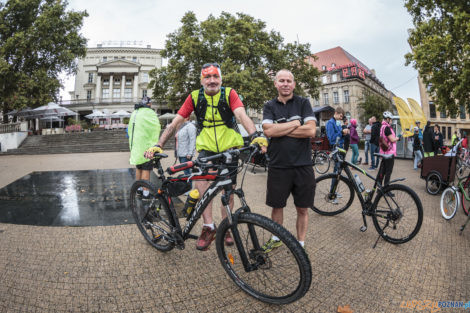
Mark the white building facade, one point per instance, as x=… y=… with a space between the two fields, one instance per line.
x=112 y=78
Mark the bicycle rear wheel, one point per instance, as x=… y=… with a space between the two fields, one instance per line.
x=279 y=276
x=398 y=213
x=152 y=215
x=449 y=202
x=321 y=163
x=332 y=203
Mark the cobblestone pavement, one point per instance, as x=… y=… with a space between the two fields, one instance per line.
x=113 y=269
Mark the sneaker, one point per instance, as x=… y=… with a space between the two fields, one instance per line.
x=271 y=244
x=228 y=239
x=371 y=168
x=359 y=161
x=206 y=237
x=333 y=201
x=365 y=163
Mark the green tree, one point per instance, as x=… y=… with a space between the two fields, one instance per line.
x=248 y=55
x=39 y=39
x=440 y=45
x=373 y=105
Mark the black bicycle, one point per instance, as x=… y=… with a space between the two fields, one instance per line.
x=280 y=276
x=396 y=209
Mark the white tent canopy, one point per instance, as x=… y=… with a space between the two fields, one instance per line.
x=167 y=116
x=51 y=109
x=121 y=113
x=96 y=114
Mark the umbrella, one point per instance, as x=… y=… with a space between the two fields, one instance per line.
x=96 y=113
x=167 y=116
x=52 y=109
x=121 y=113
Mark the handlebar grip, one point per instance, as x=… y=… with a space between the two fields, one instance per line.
x=180 y=167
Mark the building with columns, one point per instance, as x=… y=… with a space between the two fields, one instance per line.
x=345 y=80
x=113 y=78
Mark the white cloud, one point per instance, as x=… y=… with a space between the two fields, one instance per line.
x=374 y=31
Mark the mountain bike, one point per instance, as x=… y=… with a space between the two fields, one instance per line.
x=395 y=209
x=320 y=159
x=280 y=276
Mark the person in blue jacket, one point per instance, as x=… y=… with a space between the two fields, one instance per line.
x=334 y=128
x=334 y=131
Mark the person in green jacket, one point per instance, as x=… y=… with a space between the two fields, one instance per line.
x=144 y=131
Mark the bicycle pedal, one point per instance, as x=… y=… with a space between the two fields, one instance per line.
x=363 y=228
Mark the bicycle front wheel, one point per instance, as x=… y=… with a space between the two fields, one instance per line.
x=152 y=215
x=465 y=202
x=397 y=213
x=279 y=274
x=449 y=202
x=332 y=200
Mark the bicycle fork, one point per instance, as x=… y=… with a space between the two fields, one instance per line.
x=233 y=221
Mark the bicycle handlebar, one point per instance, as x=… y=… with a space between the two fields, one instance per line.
x=203 y=162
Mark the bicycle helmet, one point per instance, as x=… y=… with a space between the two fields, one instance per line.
x=387 y=114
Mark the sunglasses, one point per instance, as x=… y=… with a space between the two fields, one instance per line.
x=210 y=64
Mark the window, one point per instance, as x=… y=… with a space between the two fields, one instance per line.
x=346 y=96
x=323 y=67
x=116 y=93
x=316 y=102
x=324 y=79
x=432 y=109
x=117 y=81
x=145 y=77
x=144 y=93
x=333 y=65
x=105 y=93
x=334 y=78
x=90 y=77
x=123 y=58
x=335 y=97
x=443 y=114
x=463 y=114
x=449 y=132
x=128 y=81
x=134 y=59
x=88 y=95
x=128 y=93
x=115 y=58
x=325 y=98
x=105 y=59
x=106 y=82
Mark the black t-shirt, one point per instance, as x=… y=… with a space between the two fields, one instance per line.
x=387 y=131
x=288 y=152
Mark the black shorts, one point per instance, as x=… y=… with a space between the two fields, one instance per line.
x=300 y=181
x=147 y=166
x=232 y=167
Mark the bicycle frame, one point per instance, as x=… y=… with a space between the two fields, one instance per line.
x=462 y=189
x=220 y=182
x=344 y=165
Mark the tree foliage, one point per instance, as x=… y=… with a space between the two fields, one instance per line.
x=440 y=45
x=373 y=105
x=249 y=56
x=39 y=39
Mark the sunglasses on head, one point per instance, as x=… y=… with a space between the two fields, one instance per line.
x=210 y=64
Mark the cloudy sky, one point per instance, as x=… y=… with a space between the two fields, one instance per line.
x=374 y=31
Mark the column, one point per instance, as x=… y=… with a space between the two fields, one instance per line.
x=98 y=88
x=136 y=86
x=123 y=85
x=111 y=87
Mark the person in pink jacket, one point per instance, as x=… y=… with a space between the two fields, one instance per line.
x=354 y=142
